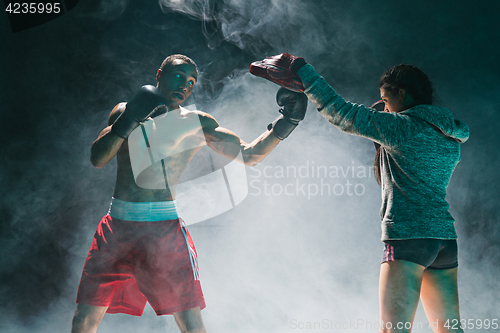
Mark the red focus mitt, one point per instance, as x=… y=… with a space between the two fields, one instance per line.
x=379 y=105
x=278 y=69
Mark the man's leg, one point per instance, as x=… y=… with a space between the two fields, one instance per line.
x=87 y=318
x=439 y=296
x=190 y=321
x=399 y=292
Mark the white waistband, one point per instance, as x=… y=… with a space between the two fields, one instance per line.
x=143 y=211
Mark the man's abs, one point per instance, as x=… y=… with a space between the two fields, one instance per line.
x=160 y=178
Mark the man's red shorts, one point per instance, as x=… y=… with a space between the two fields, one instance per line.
x=130 y=263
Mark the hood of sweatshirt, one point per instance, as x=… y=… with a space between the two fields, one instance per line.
x=441 y=119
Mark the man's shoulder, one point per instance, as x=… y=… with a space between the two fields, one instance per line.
x=116 y=112
x=119 y=108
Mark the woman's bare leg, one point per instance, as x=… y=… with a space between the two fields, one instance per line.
x=439 y=296
x=399 y=292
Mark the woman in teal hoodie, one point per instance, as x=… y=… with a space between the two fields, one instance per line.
x=419 y=149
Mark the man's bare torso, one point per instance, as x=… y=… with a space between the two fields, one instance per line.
x=174 y=137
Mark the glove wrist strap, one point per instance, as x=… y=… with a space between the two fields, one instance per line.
x=282 y=127
x=124 y=125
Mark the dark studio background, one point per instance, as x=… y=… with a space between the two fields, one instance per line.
x=60 y=80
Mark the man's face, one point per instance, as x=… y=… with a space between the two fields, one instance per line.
x=176 y=82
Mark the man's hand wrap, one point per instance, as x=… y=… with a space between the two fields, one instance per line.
x=138 y=109
x=293 y=110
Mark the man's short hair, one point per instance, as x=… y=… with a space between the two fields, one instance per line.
x=170 y=59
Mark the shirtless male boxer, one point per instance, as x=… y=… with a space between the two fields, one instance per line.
x=141 y=250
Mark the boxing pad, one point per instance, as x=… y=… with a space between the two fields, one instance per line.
x=281 y=70
x=379 y=106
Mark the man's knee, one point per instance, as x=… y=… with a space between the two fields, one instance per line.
x=87 y=318
x=190 y=321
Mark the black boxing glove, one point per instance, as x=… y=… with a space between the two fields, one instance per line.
x=137 y=110
x=293 y=110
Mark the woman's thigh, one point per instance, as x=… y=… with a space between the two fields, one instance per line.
x=399 y=293
x=439 y=294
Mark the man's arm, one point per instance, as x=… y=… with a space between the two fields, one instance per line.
x=124 y=118
x=107 y=143
x=228 y=144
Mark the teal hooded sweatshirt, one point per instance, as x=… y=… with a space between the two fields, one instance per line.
x=420 y=148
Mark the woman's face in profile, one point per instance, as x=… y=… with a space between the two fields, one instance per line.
x=393 y=101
